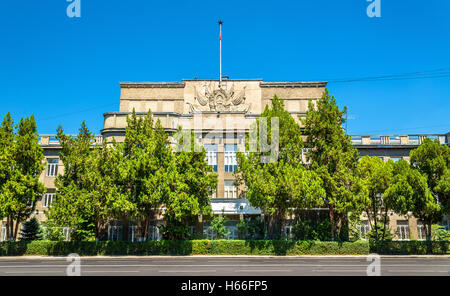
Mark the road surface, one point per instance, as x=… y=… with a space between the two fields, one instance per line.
x=225 y=266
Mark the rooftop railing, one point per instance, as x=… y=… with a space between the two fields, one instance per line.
x=396 y=139
x=52 y=140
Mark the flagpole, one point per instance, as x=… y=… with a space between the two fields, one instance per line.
x=220 y=54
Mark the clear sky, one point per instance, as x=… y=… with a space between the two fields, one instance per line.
x=65 y=70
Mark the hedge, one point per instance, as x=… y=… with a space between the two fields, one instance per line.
x=193 y=247
x=410 y=247
x=223 y=247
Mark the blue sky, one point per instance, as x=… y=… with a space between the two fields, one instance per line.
x=65 y=70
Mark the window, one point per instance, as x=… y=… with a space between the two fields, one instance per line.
x=363 y=229
x=156 y=234
x=3 y=234
x=48 y=199
x=230 y=190
x=288 y=232
x=213 y=192
x=305 y=157
x=114 y=232
x=403 y=230
x=232 y=232
x=421 y=234
x=132 y=231
x=395 y=159
x=230 y=158
x=211 y=156
x=66 y=233
x=52 y=167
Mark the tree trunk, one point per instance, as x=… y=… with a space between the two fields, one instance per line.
x=428 y=231
x=125 y=228
x=332 y=222
x=16 y=229
x=8 y=228
x=384 y=226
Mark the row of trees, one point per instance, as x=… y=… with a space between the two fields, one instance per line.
x=130 y=181
x=336 y=178
x=143 y=177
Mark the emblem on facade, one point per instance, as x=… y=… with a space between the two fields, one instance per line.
x=218 y=99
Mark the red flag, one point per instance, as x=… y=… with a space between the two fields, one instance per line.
x=220 y=36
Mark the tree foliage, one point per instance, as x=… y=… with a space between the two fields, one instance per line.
x=333 y=157
x=86 y=193
x=20 y=168
x=278 y=186
x=32 y=230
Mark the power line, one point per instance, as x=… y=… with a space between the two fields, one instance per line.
x=76 y=112
x=436 y=73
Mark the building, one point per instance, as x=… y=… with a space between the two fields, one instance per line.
x=220 y=116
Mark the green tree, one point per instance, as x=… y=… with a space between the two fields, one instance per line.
x=283 y=183
x=155 y=177
x=32 y=230
x=20 y=168
x=409 y=192
x=376 y=177
x=87 y=193
x=333 y=157
x=145 y=162
x=423 y=186
x=433 y=161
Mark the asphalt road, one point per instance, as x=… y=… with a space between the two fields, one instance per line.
x=225 y=266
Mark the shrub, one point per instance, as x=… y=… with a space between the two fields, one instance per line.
x=186 y=247
x=410 y=247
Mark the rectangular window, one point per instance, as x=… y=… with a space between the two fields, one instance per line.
x=230 y=191
x=363 y=229
x=3 y=234
x=48 y=199
x=213 y=193
x=211 y=156
x=114 y=232
x=288 y=232
x=66 y=233
x=403 y=230
x=132 y=232
x=52 y=167
x=156 y=234
x=421 y=234
x=395 y=159
x=305 y=155
x=230 y=158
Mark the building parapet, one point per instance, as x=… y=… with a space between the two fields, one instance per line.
x=393 y=140
x=52 y=140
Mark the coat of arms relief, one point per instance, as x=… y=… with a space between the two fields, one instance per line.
x=209 y=98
